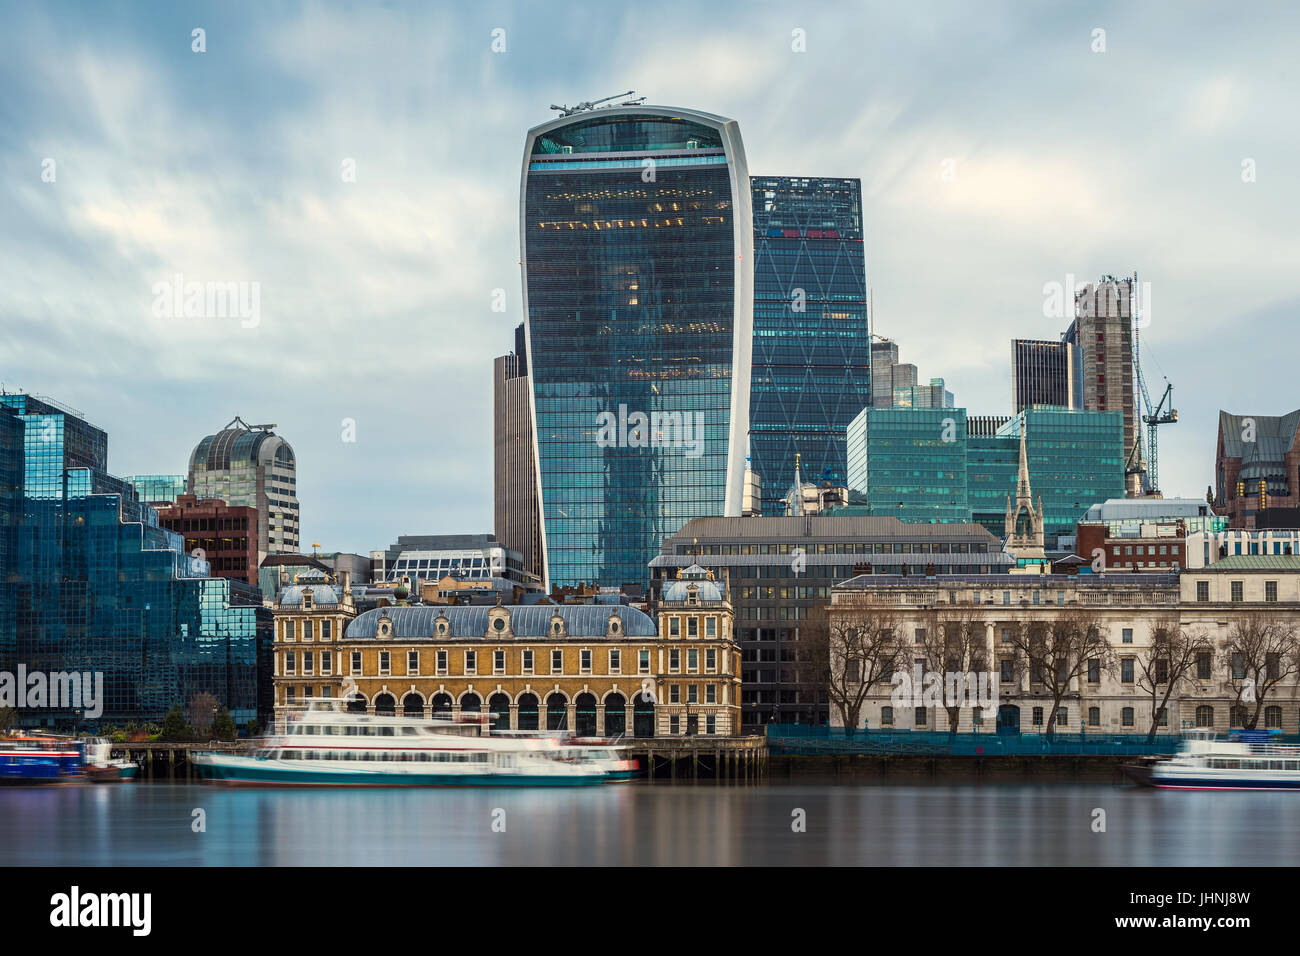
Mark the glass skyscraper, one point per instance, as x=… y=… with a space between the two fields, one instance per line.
x=920 y=464
x=812 y=348
x=636 y=240
x=95 y=585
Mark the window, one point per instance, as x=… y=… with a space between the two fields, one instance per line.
x=412 y=662
x=692 y=693
x=1270 y=591
x=674 y=724
x=1038 y=717
x=919 y=637
x=1202 y=591
x=288 y=631
x=887 y=716
x=1094 y=671
x=643 y=662
x=1062 y=717
x=1273 y=717
x=1127 y=636
x=325 y=662
x=498 y=662
x=692 y=627
x=1238 y=665
x=711 y=723
x=290 y=662
x=1094 y=716
x=1205 y=716
x=557 y=662
x=1203 y=667
x=710 y=627
x=710 y=693
x=615 y=661
x=356 y=662
x=1161 y=669
x=692 y=659
x=674 y=627
x=1162 y=717
x=1126 y=716
x=308 y=659
x=384 y=662
x=1008 y=670
x=442 y=662
x=1237 y=591
x=325 y=630
x=1126 y=670
x=674 y=659
x=711 y=659
x=1273 y=665
x=584 y=660
x=307 y=630
x=528 y=661
x=674 y=693
x=919 y=716
x=471 y=661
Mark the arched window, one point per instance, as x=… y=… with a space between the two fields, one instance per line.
x=471 y=703
x=1237 y=716
x=615 y=715
x=557 y=712
x=527 y=712
x=1205 y=716
x=441 y=704
x=585 y=715
x=385 y=704
x=412 y=706
x=499 y=706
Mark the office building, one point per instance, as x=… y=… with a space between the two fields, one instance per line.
x=159 y=490
x=920 y=465
x=1101 y=336
x=636 y=243
x=897 y=384
x=223 y=535
x=1256 y=467
x=252 y=466
x=777 y=570
x=811 y=355
x=431 y=557
x=518 y=524
x=1042 y=373
x=97 y=585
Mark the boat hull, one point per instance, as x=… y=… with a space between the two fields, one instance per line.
x=252 y=772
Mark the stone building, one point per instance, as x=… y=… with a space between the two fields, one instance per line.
x=311 y=615
x=1129 y=609
x=596 y=669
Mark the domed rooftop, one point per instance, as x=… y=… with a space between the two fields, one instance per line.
x=320 y=594
x=680 y=589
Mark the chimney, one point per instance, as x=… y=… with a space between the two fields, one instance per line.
x=345 y=585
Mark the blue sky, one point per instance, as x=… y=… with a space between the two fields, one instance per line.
x=376 y=295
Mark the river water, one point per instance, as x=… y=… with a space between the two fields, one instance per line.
x=963 y=824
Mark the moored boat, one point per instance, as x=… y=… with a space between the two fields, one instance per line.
x=40 y=761
x=326 y=746
x=1248 y=760
x=102 y=767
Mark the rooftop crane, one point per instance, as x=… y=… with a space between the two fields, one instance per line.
x=592 y=104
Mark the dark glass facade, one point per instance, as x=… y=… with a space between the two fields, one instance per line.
x=910 y=462
x=634 y=245
x=97 y=586
x=1042 y=373
x=812 y=348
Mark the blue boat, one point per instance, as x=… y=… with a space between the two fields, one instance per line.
x=40 y=760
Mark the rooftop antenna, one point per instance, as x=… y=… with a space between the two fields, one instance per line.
x=592 y=104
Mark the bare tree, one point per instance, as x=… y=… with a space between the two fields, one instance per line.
x=1260 y=651
x=953 y=641
x=852 y=649
x=1060 y=649
x=1168 y=663
x=201 y=711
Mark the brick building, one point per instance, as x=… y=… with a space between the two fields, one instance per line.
x=225 y=534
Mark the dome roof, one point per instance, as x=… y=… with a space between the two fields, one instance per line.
x=320 y=594
x=680 y=589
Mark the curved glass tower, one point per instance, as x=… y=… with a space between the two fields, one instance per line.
x=636 y=239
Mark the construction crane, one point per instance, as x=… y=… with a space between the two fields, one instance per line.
x=592 y=104
x=1154 y=417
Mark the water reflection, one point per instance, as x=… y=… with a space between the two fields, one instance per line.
x=639 y=824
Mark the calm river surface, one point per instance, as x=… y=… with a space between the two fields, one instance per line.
x=1014 y=824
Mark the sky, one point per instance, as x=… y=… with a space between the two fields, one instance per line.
x=1001 y=147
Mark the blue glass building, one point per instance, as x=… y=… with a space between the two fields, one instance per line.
x=97 y=586
x=812 y=347
x=902 y=463
x=636 y=239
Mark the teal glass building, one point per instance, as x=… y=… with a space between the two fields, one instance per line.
x=95 y=585
x=636 y=241
x=909 y=463
x=899 y=463
x=812 y=347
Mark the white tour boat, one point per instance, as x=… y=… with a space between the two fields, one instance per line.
x=1246 y=761
x=327 y=746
